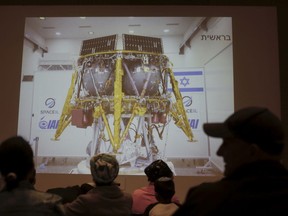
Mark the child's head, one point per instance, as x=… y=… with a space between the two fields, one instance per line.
x=165 y=189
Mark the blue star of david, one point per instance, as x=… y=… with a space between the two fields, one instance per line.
x=184 y=81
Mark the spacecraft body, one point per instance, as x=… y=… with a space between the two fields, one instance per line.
x=123 y=95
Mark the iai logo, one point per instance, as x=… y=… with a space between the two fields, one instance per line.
x=194 y=123
x=50 y=102
x=48 y=124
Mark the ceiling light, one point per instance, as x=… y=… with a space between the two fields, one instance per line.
x=58 y=33
x=172 y=24
x=90 y=32
x=48 y=27
x=87 y=26
x=166 y=30
x=134 y=25
x=42 y=18
x=131 y=32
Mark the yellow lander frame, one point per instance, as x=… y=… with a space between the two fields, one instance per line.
x=177 y=111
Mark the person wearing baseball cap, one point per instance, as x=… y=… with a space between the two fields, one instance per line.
x=144 y=196
x=255 y=182
x=106 y=198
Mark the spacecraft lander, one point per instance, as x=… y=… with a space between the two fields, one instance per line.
x=123 y=95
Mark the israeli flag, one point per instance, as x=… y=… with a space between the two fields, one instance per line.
x=189 y=81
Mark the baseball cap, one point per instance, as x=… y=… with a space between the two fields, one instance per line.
x=157 y=169
x=252 y=124
x=104 y=168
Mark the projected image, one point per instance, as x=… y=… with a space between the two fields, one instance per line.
x=139 y=88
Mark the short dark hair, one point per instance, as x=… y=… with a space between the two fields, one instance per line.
x=16 y=160
x=165 y=188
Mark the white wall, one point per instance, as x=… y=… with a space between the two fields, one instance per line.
x=64 y=46
x=30 y=61
x=219 y=94
x=216 y=56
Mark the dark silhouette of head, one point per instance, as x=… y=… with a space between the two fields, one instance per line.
x=249 y=135
x=157 y=169
x=256 y=125
x=16 y=161
x=165 y=189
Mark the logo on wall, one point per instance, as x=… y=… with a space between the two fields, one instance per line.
x=187 y=101
x=50 y=102
x=193 y=123
x=48 y=124
x=47 y=121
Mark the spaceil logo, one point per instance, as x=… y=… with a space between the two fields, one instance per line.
x=49 y=103
x=45 y=124
x=187 y=101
